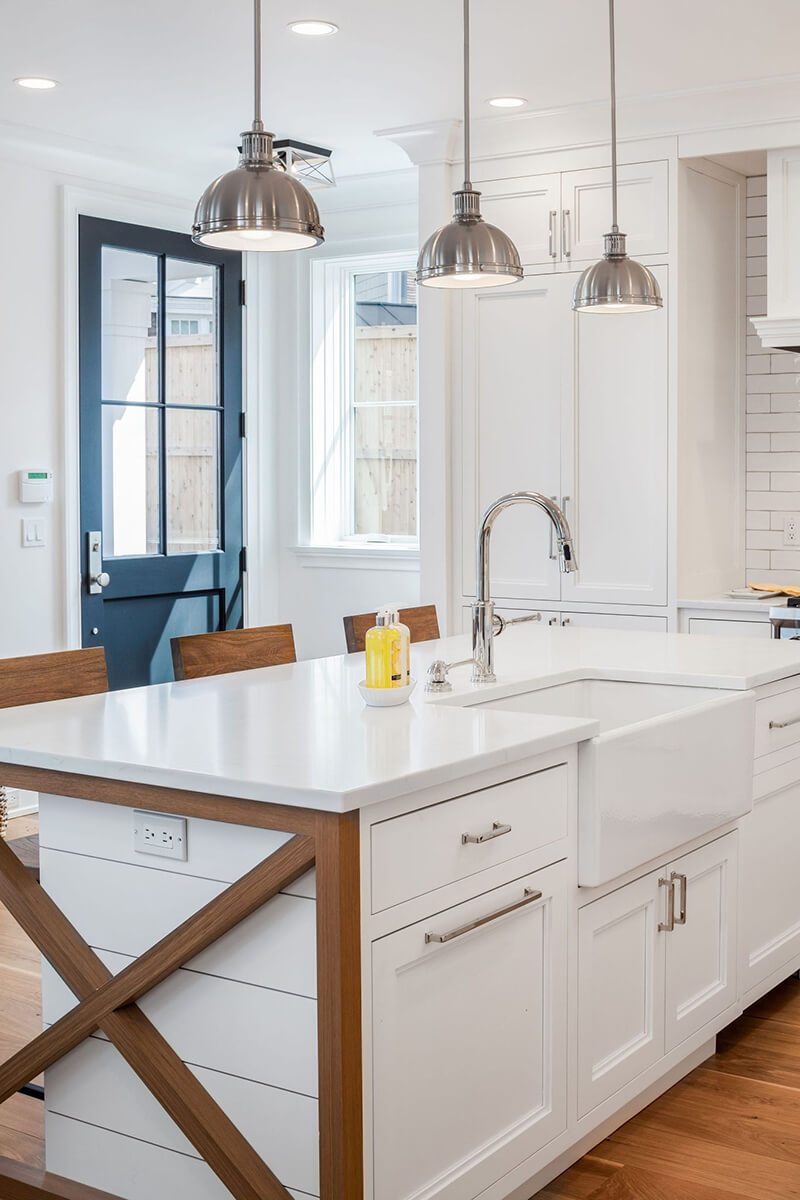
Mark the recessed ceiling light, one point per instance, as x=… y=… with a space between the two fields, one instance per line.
x=314 y=28
x=35 y=83
x=507 y=102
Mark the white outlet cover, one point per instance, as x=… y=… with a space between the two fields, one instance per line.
x=159 y=834
x=791 y=531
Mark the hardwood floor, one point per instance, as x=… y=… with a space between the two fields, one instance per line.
x=21 y=1117
x=730 y=1129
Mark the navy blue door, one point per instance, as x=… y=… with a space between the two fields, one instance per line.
x=160 y=444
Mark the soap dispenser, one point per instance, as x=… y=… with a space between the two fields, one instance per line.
x=383 y=651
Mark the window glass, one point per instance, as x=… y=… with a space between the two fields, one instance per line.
x=131 y=479
x=384 y=387
x=192 y=448
x=129 y=351
x=192 y=356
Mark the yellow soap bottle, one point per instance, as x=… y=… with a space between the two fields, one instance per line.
x=405 y=643
x=383 y=646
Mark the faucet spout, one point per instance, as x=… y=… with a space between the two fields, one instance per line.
x=483 y=619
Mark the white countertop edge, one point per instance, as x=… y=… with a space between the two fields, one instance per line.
x=572 y=730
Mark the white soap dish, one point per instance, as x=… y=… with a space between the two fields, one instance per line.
x=385 y=697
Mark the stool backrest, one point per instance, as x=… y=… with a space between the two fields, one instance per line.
x=422 y=622
x=58 y=676
x=201 y=654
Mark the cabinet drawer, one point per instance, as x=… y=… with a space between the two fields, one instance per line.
x=777 y=722
x=428 y=849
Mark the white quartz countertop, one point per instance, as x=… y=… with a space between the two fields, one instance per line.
x=301 y=734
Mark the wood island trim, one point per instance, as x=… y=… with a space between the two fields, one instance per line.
x=107 y=1002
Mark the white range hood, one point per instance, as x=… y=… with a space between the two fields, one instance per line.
x=780 y=328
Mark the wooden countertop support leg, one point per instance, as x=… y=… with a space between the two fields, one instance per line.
x=339 y=1007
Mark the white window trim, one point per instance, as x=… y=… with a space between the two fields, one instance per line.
x=330 y=483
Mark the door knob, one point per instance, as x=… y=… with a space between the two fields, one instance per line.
x=102 y=579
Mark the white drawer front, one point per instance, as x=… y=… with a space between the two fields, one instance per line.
x=421 y=851
x=95 y=1085
x=101 y=1159
x=252 y=1032
x=777 y=721
x=127 y=909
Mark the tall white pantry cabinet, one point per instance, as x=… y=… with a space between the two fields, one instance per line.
x=625 y=419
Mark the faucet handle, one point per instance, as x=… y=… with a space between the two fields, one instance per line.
x=502 y=623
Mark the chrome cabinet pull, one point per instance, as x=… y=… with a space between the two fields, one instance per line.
x=498 y=830
x=668 y=925
x=784 y=724
x=681 y=918
x=551 y=233
x=529 y=897
x=565 y=246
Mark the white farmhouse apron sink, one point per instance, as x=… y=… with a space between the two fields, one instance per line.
x=669 y=764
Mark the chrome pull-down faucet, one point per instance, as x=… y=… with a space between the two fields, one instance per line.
x=483 y=617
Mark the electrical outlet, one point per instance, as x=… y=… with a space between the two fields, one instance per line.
x=12 y=799
x=791 y=531
x=155 y=833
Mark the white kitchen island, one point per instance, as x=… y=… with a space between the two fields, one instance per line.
x=534 y=905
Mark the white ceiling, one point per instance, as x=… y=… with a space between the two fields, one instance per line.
x=168 y=81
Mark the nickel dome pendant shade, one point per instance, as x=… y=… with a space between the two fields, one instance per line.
x=616 y=283
x=258 y=205
x=468 y=252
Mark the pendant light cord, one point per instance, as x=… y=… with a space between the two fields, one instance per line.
x=612 y=59
x=467 y=164
x=257 y=122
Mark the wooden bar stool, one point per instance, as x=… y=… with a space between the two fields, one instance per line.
x=422 y=622
x=33 y=680
x=202 y=654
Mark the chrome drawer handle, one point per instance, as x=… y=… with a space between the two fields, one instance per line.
x=531 y=895
x=497 y=830
x=784 y=724
x=551 y=233
x=681 y=918
x=668 y=925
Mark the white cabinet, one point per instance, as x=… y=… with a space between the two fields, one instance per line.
x=469 y=1041
x=611 y=621
x=643 y=209
x=716 y=627
x=528 y=210
x=645 y=987
x=701 y=950
x=559 y=218
x=576 y=407
x=620 y=989
x=770 y=888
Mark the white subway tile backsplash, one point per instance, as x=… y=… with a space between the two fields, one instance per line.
x=759 y=421
x=756 y=185
x=764 y=539
x=758 y=364
x=774 y=501
x=758 y=558
x=782 y=382
x=784 y=363
x=757 y=265
x=755 y=306
x=757 y=286
x=756 y=246
x=758 y=481
x=782 y=442
x=777 y=520
x=785 y=560
x=773 y=462
x=787 y=402
x=758 y=404
x=757 y=206
x=758 y=520
x=757 y=442
x=785 y=481
x=756 y=227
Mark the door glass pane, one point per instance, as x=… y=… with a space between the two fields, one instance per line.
x=129 y=352
x=192 y=438
x=386 y=470
x=130 y=480
x=191 y=333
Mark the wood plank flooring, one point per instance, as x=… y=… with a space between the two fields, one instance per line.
x=21 y=1117
x=730 y=1129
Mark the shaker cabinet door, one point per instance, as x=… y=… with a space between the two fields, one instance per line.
x=469 y=1041
x=701 y=949
x=620 y=988
x=615 y=457
x=643 y=209
x=770 y=910
x=528 y=210
x=516 y=356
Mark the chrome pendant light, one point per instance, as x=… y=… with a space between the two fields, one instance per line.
x=616 y=283
x=468 y=252
x=258 y=205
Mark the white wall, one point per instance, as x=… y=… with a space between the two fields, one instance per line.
x=313 y=591
x=31 y=606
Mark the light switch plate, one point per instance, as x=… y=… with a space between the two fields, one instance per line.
x=33 y=533
x=155 y=833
